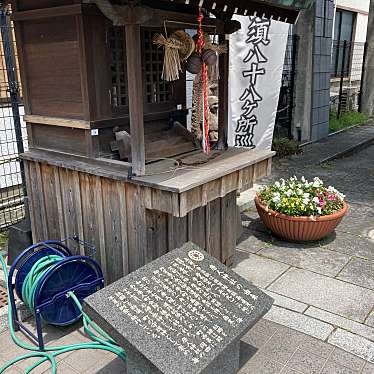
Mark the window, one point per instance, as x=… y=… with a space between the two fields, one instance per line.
x=116 y=39
x=342 y=45
x=156 y=89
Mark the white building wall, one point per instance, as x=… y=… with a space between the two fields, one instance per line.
x=361 y=27
x=361 y=7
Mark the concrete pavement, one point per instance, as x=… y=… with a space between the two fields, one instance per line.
x=324 y=289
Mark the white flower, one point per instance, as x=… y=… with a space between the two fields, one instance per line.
x=276 y=198
x=334 y=191
x=303 y=179
x=306 y=200
x=316 y=200
x=289 y=193
x=340 y=196
x=319 y=210
x=306 y=195
x=317 y=182
x=277 y=184
x=299 y=191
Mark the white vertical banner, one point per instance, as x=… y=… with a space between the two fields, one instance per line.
x=256 y=58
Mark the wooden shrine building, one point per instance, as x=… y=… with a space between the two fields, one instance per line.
x=90 y=72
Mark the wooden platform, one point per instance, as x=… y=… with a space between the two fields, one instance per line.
x=133 y=221
x=175 y=188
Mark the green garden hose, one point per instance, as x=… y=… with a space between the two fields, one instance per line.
x=101 y=340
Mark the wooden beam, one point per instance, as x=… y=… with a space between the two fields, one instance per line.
x=135 y=90
x=223 y=93
x=184 y=20
x=56 y=11
x=54 y=121
x=246 y=8
x=59 y=11
x=18 y=32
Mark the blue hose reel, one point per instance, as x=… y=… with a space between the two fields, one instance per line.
x=78 y=274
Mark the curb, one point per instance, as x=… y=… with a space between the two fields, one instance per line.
x=332 y=134
x=346 y=129
x=349 y=151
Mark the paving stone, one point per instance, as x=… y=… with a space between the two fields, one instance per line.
x=85 y=358
x=368 y=369
x=9 y=351
x=306 y=362
x=370 y=320
x=332 y=367
x=352 y=343
x=261 y=364
x=316 y=347
x=253 y=241
x=256 y=339
x=50 y=333
x=74 y=337
x=245 y=200
x=307 y=256
x=299 y=322
x=333 y=295
x=352 y=245
x=286 y=302
x=355 y=327
x=257 y=270
x=288 y=370
x=360 y=272
x=14 y=369
x=260 y=333
x=64 y=369
x=282 y=345
x=252 y=221
x=3 y=319
x=359 y=220
x=347 y=359
x=110 y=365
x=266 y=327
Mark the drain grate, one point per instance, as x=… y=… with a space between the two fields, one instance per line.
x=3 y=297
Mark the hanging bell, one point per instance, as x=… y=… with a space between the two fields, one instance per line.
x=194 y=63
x=209 y=57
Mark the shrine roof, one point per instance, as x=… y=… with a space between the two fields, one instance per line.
x=283 y=10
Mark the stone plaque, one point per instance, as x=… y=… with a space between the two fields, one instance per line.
x=182 y=313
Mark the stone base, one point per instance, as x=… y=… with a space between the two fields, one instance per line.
x=226 y=363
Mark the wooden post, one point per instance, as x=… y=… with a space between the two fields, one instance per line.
x=223 y=92
x=135 y=93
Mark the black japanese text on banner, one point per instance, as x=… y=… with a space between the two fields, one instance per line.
x=256 y=62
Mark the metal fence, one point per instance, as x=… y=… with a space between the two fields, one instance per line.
x=347 y=69
x=286 y=96
x=13 y=138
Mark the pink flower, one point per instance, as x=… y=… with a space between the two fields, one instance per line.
x=322 y=202
x=331 y=197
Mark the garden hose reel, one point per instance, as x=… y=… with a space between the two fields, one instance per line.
x=43 y=275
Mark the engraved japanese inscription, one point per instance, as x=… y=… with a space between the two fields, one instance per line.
x=185 y=303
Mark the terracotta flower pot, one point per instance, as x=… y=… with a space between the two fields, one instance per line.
x=299 y=228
